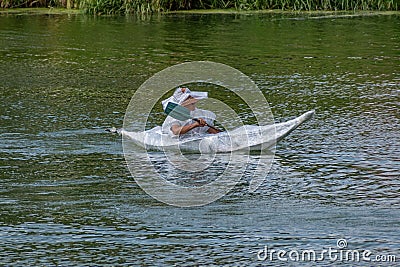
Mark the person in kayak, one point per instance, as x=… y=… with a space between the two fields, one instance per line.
x=188 y=99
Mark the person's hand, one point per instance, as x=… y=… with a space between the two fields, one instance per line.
x=200 y=123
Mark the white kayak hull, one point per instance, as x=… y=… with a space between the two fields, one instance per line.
x=247 y=137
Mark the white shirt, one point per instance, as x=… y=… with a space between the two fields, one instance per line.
x=207 y=115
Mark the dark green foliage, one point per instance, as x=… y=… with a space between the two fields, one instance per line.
x=151 y=6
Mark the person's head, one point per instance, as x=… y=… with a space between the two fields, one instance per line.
x=190 y=103
x=184 y=97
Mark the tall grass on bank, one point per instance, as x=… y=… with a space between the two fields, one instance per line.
x=39 y=3
x=151 y=6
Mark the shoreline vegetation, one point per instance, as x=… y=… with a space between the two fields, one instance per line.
x=141 y=7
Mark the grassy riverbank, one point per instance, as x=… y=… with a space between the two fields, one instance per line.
x=39 y=10
x=154 y=6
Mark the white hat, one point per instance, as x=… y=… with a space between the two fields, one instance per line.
x=181 y=94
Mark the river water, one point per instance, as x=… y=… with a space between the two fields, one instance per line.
x=68 y=199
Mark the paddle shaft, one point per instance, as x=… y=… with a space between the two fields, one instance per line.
x=212 y=127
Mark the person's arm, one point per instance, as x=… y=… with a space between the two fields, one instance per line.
x=179 y=130
x=213 y=131
x=210 y=117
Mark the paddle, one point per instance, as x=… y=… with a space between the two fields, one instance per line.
x=181 y=113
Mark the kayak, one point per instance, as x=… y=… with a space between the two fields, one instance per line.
x=246 y=137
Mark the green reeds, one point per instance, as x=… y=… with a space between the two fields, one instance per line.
x=39 y=3
x=151 y=6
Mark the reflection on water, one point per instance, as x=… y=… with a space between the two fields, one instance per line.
x=199 y=171
x=67 y=197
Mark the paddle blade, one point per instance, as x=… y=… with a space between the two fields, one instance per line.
x=177 y=112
